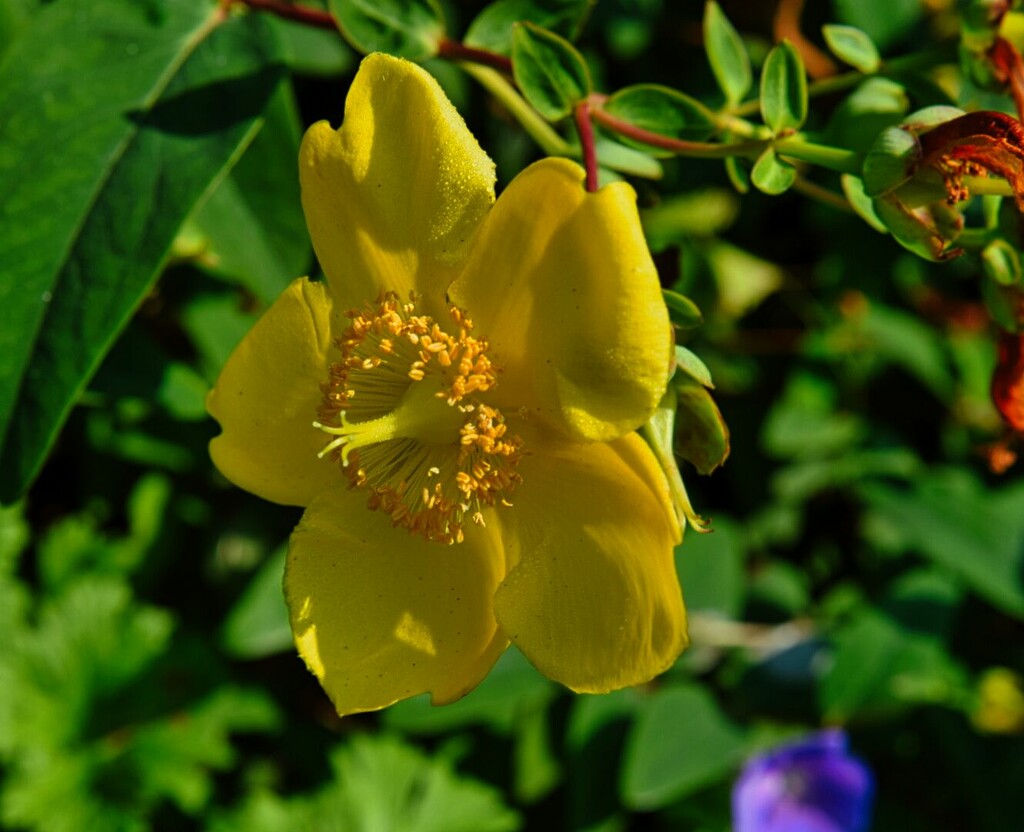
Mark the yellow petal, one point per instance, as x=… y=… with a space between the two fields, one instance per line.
x=562 y=285
x=381 y=615
x=594 y=601
x=267 y=396
x=393 y=198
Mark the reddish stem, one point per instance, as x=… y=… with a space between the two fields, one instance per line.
x=300 y=14
x=706 y=150
x=455 y=51
x=586 y=130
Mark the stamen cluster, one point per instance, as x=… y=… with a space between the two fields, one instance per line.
x=427 y=462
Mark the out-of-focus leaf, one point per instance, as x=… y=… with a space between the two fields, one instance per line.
x=661 y=110
x=596 y=734
x=74 y=547
x=537 y=769
x=408 y=28
x=877 y=104
x=492 y=28
x=853 y=46
x=802 y=480
x=551 y=73
x=884 y=21
x=87 y=643
x=113 y=104
x=803 y=421
x=681 y=742
x=710 y=569
x=881 y=668
x=624 y=159
x=512 y=687
x=975 y=532
x=727 y=55
x=307 y=50
x=783 y=89
x=739 y=174
x=743 y=279
x=258 y=625
x=216 y=324
x=382 y=783
x=252 y=223
x=1001 y=262
x=693 y=213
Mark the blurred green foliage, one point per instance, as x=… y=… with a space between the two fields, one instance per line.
x=865 y=568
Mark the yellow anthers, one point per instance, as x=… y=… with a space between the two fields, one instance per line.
x=403 y=405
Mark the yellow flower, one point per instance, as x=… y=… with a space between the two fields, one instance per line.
x=476 y=371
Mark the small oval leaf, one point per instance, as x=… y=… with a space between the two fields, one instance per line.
x=853 y=46
x=771 y=175
x=783 y=89
x=551 y=73
x=661 y=110
x=727 y=54
x=683 y=312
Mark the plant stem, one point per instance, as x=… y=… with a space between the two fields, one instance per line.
x=833 y=158
x=585 y=128
x=700 y=150
x=538 y=129
x=455 y=51
x=298 y=14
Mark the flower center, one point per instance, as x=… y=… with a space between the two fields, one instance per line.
x=406 y=407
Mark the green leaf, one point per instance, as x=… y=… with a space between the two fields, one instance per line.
x=710 y=569
x=660 y=110
x=702 y=212
x=512 y=687
x=257 y=625
x=771 y=175
x=618 y=157
x=885 y=21
x=738 y=175
x=683 y=311
x=702 y=437
x=783 y=89
x=680 y=743
x=852 y=45
x=551 y=73
x=411 y=29
x=315 y=52
x=88 y=228
x=382 y=783
x=252 y=225
x=880 y=667
x=853 y=189
x=492 y=28
x=727 y=55
x=594 y=740
x=975 y=532
x=688 y=362
x=1001 y=263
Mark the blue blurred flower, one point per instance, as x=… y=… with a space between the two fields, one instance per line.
x=814 y=785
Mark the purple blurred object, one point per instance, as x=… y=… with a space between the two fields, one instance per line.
x=813 y=785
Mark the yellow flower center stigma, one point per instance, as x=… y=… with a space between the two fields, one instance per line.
x=406 y=405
